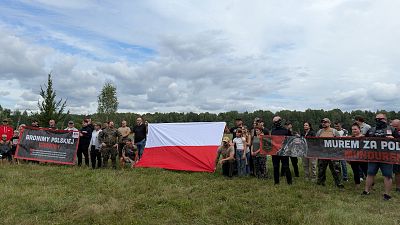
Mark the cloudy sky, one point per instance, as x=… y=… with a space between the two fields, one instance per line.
x=202 y=55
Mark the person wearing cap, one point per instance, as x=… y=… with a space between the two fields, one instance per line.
x=129 y=153
x=6 y=129
x=71 y=126
x=227 y=152
x=85 y=135
x=95 y=147
x=334 y=165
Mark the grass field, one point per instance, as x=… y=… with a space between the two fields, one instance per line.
x=50 y=194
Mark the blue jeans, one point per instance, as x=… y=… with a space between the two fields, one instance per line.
x=248 y=163
x=344 y=169
x=140 y=145
x=240 y=163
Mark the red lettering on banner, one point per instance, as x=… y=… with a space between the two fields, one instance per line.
x=49 y=145
x=349 y=154
x=393 y=157
x=371 y=155
x=385 y=156
x=362 y=154
x=377 y=155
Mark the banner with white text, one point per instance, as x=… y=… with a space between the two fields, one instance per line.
x=368 y=149
x=47 y=145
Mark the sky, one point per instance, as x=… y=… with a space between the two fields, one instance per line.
x=202 y=55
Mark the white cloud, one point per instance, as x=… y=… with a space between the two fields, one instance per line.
x=204 y=56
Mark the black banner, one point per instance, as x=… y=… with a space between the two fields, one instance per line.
x=47 y=145
x=355 y=149
x=369 y=149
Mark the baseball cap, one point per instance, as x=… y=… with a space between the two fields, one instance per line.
x=226 y=139
x=326 y=120
x=70 y=122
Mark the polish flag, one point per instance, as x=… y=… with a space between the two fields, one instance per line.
x=182 y=146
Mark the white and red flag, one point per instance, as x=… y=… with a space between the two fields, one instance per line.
x=182 y=146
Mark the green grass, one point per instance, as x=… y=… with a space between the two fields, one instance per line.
x=50 y=194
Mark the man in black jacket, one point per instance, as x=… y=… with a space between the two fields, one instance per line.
x=279 y=130
x=84 y=141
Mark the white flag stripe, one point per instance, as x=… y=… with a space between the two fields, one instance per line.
x=185 y=134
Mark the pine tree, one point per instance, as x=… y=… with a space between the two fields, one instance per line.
x=49 y=108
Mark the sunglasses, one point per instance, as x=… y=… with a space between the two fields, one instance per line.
x=324 y=121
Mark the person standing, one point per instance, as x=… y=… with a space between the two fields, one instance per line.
x=108 y=138
x=356 y=165
x=125 y=131
x=383 y=130
x=71 y=126
x=6 y=129
x=364 y=126
x=334 y=165
x=84 y=141
x=259 y=159
x=227 y=152
x=95 y=146
x=396 y=167
x=52 y=124
x=240 y=147
x=294 y=160
x=140 y=133
x=278 y=129
x=343 y=163
x=309 y=164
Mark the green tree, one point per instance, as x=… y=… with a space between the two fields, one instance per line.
x=107 y=100
x=50 y=108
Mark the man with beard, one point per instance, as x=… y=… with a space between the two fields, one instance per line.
x=278 y=129
x=383 y=130
x=334 y=165
x=108 y=138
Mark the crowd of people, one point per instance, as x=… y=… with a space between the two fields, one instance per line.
x=240 y=153
x=101 y=140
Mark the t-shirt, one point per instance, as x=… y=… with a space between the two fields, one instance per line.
x=239 y=142
x=225 y=152
x=140 y=132
x=125 y=131
x=328 y=133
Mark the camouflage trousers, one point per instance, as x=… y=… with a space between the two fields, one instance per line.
x=108 y=152
x=334 y=166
